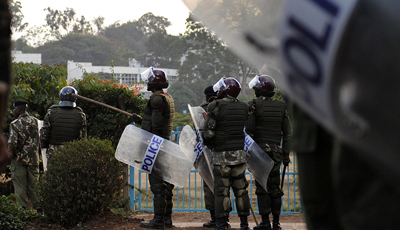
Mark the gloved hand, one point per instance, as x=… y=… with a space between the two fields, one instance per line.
x=137 y=119
x=286 y=160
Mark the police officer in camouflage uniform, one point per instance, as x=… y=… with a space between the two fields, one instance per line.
x=63 y=122
x=209 y=197
x=23 y=145
x=268 y=125
x=223 y=134
x=157 y=119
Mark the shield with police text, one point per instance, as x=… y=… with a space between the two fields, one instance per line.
x=199 y=115
x=155 y=155
x=189 y=140
x=259 y=164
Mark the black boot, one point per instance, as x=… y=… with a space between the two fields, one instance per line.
x=212 y=223
x=265 y=224
x=168 y=221
x=244 y=225
x=156 y=223
x=275 y=223
x=221 y=224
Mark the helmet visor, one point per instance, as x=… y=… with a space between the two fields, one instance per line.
x=254 y=82
x=147 y=75
x=219 y=84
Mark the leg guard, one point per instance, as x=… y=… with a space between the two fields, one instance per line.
x=239 y=186
x=222 y=191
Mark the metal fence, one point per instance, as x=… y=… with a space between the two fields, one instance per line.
x=190 y=198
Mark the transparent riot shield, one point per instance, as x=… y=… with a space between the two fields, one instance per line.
x=259 y=164
x=155 y=155
x=198 y=116
x=42 y=150
x=188 y=139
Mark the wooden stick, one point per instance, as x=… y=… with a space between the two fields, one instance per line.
x=105 y=105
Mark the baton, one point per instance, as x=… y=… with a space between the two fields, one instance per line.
x=283 y=175
x=105 y=105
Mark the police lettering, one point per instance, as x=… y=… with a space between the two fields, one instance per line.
x=248 y=141
x=307 y=42
x=198 y=149
x=151 y=153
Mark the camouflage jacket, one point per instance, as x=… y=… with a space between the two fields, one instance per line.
x=230 y=157
x=23 y=142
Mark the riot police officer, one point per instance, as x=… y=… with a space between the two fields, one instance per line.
x=63 y=122
x=269 y=125
x=157 y=119
x=223 y=134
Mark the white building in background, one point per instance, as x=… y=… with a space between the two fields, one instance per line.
x=129 y=75
x=18 y=56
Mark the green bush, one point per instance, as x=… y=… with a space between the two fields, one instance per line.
x=82 y=179
x=12 y=215
x=181 y=120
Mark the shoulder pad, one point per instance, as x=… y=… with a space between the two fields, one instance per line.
x=156 y=101
x=212 y=106
x=79 y=108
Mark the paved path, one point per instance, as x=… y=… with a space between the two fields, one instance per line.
x=285 y=226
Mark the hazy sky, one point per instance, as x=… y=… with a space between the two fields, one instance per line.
x=112 y=11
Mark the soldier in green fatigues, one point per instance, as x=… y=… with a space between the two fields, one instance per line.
x=269 y=125
x=63 y=122
x=223 y=134
x=23 y=145
x=209 y=197
x=157 y=119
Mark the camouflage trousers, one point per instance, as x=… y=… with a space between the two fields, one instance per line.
x=25 y=178
x=162 y=192
x=225 y=177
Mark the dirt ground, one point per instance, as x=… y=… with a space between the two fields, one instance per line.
x=110 y=221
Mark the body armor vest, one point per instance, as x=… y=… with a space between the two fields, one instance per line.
x=66 y=124
x=231 y=118
x=269 y=120
x=168 y=114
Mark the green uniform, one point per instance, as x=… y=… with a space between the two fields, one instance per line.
x=269 y=125
x=157 y=119
x=223 y=134
x=23 y=144
x=60 y=125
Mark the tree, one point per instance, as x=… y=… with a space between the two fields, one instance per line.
x=150 y=24
x=162 y=50
x=82 y=48
x=208 y=59
x=128 y=35
x=182 y=96
x=65 y=22
x=17 y=17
